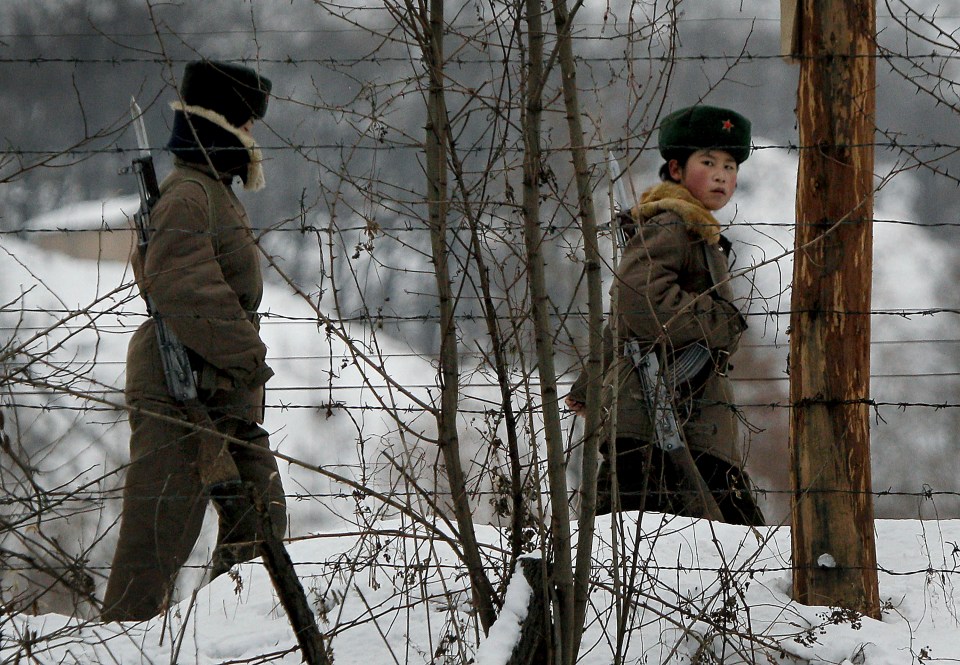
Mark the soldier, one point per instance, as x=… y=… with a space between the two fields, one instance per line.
x=201 y=270
x=670 y=291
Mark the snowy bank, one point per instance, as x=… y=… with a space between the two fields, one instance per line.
x=703 y=593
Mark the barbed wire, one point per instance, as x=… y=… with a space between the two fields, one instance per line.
x=401 y=568
x=377 y=318
x=86 y=497
x=459 y=60
x=373 y=144
x=551 y=230
x=469 y=352
x=926 y=492
x=331 y=407
x=259 y=30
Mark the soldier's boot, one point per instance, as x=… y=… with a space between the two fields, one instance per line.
x=239 y=532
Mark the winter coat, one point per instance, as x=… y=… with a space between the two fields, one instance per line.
x=202 y=272
x=670 y=291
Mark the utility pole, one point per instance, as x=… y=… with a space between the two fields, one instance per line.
x=834 y=550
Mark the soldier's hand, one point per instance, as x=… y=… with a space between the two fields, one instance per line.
x=575 y=405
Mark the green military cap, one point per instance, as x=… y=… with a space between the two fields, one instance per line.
x=704 y=127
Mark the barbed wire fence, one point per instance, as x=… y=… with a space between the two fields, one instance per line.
x=357 y=391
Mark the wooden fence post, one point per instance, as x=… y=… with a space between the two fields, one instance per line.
x=834 y=551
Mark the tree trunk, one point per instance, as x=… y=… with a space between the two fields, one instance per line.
x=588 y=225
x=435 y=148
x=543 y=336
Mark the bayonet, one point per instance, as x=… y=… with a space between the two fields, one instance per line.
x=139 y=128
x=616 y=179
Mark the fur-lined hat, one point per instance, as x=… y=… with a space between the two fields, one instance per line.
x=237 y=93
x=702 y=128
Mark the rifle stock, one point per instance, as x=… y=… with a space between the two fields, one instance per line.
x=699 y=500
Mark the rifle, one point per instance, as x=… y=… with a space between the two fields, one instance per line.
x=659 y=386
x=218 y=471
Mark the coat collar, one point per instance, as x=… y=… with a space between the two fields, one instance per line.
x=205 y=169
x=671 y=197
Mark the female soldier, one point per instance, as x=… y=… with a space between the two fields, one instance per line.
x=201 y=270
x=671 y=291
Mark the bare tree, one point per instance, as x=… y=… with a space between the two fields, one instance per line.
x=436 y=246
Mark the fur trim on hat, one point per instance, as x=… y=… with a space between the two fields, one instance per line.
x=671 y=197
x=255 y=180
x=704 y=127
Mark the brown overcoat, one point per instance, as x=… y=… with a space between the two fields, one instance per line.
x=202 y=271
x=671 y=290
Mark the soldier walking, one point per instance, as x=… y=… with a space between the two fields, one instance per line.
x=670 y=292
x=201 y=271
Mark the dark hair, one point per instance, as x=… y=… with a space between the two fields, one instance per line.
x=682 y=157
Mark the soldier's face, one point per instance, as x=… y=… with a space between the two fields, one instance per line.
x=710 y=175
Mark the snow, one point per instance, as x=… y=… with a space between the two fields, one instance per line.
x=110 y=214
x=408 y=604
x=389 y=589
x=496 y=648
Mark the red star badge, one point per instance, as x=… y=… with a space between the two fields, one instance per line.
x=727 y=126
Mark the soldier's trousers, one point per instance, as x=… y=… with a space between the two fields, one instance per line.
x=647 y=480
x=164 y=504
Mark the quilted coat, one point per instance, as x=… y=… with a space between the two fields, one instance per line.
x=202 y=271
x=671 y=290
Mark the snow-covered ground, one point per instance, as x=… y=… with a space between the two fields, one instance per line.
x=334 y=411
x=702 y=594
x=388 y=591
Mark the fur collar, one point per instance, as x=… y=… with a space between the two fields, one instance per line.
x=671 y=197
x=255 y=180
